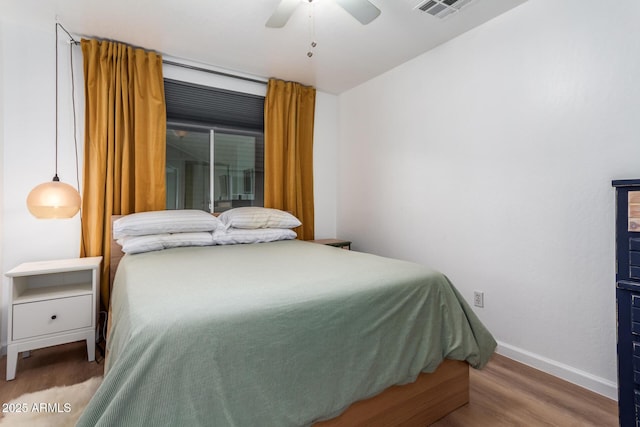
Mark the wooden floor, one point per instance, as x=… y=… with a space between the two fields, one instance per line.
x=505 y=393
x=49 y=367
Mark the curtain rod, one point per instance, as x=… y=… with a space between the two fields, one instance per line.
x=206 y=70
x=190 y=67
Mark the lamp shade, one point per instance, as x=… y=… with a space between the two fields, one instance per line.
x=53 y=199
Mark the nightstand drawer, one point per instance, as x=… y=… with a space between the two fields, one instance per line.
x=51 y=316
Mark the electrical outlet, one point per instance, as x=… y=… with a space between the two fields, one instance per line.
x=478 y=299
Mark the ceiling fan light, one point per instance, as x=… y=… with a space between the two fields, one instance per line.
x=362 y=10
x=53 y=199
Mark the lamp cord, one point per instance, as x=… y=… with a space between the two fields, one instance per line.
x=75 y=133
x=72 y=41
x=73 y=107
x=55 y=177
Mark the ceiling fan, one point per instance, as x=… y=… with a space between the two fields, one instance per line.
x=363 y=10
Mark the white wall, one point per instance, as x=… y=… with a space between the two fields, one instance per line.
x=491 y=157
x=325 y=166
x=28 y=107
x=27 y=145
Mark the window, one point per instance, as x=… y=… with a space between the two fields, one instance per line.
x=215 y=148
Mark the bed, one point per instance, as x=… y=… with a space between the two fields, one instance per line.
x=285 y=333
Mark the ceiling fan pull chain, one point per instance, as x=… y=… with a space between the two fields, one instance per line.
x=312 y=28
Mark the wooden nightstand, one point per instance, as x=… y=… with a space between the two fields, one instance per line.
x=338 y=243
x=51 y=303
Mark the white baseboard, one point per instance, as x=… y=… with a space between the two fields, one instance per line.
x=568 y=373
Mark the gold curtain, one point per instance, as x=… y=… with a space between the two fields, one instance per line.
x=125 y=142
x=288 y=151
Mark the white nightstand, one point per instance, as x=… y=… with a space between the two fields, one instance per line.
x=51 y=303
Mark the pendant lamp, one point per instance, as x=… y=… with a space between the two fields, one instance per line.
x=54 y=199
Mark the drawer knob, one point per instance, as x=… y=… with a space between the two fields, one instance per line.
x=54 y=317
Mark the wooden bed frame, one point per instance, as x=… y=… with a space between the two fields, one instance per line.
x=431 y=397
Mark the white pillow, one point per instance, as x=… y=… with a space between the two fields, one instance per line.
x=188 y=239
x=139 y=244
x=157 y=242
x=256 y=217
x=234 y=236
x=160 y=222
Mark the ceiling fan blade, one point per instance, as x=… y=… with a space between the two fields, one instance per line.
x=282 y=13
x=363 y=10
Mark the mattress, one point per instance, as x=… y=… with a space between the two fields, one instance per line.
x=272 y=334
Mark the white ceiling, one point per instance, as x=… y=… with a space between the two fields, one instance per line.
x=231 y=35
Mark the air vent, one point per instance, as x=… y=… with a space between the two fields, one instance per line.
x=441 y=8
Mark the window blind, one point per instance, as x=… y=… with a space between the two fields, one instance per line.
x=204 y=105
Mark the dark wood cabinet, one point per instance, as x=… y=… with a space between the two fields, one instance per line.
x=628 y=299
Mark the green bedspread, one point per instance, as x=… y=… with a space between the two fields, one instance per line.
x=272 y=334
